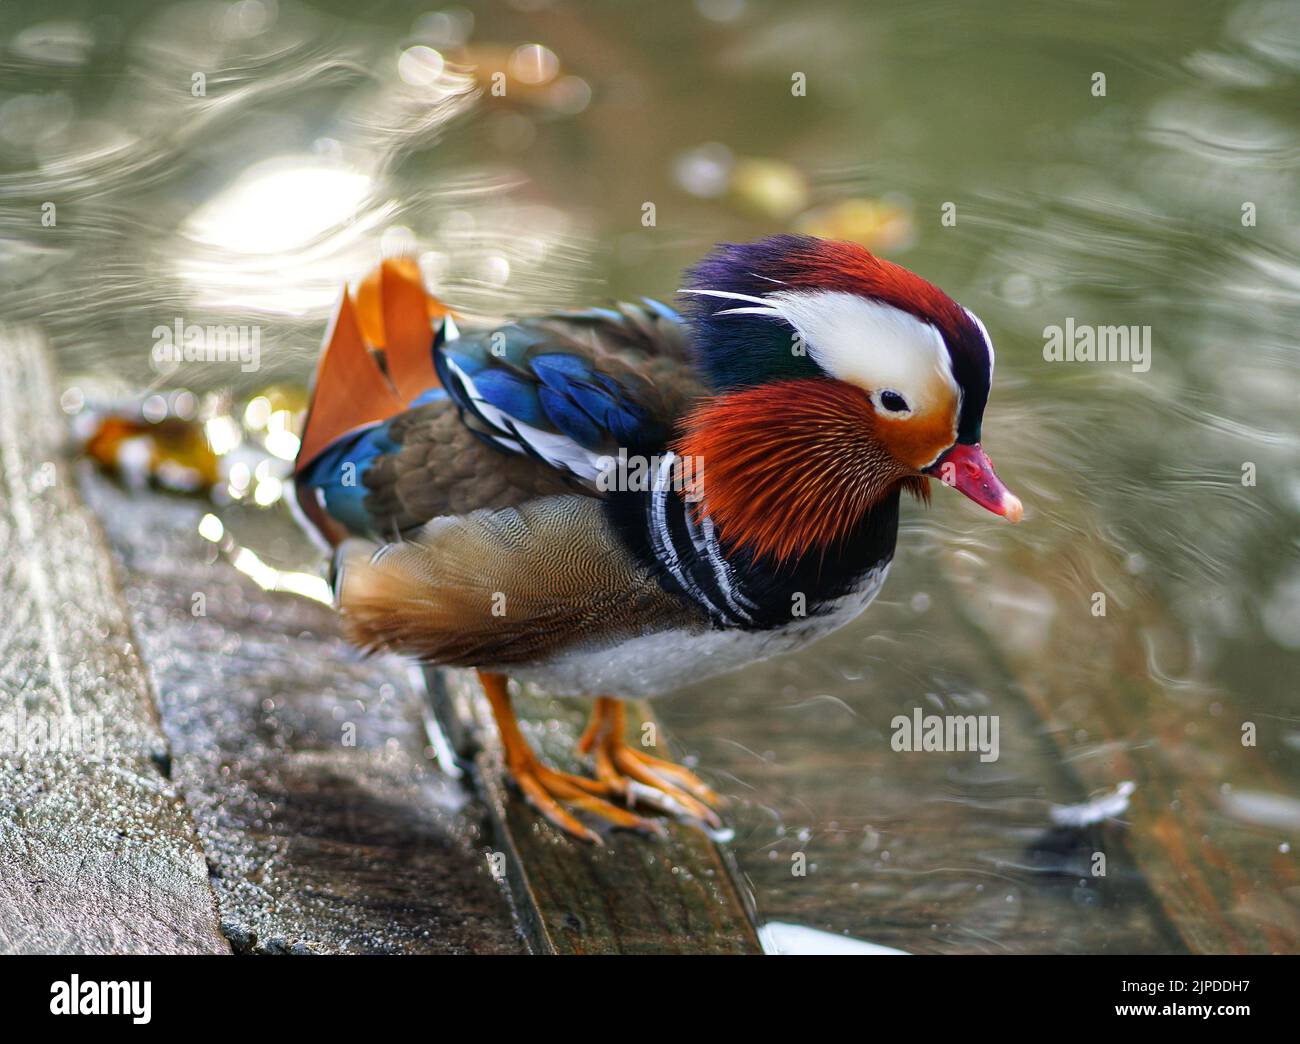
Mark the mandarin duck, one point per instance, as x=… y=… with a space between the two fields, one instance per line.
x=616 y=502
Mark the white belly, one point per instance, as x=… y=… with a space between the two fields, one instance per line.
x=655 y=664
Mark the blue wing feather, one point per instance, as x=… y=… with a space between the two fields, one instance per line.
x=337 y=476
x=512 y=395
x=663 y=311
x=570 y=418
x=507 y=377
x=557 y=369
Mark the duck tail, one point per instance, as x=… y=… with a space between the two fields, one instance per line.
x=377 y=359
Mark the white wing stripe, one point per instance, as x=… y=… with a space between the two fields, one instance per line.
x=557 y=450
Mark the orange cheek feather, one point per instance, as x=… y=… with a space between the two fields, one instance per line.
x=918 y=440
x=790 y=466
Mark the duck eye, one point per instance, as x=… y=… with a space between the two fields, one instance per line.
x=892 y=401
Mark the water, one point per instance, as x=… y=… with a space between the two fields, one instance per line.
x=1169 y=203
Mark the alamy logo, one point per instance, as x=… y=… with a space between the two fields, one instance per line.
x=637 y=474
x=947 y=732
x=25 y=734
x=75 y=997
x=192 y=343
x=1082 y=342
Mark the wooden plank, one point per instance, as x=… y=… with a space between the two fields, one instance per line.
x=1089 y=679
x=97 y=852
x=633 y=894
x=326 y=821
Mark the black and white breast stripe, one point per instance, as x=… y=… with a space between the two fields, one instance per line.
x=689 y=551
x=735 y=590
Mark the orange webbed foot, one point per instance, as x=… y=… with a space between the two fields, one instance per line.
x=549 y=790
x=640 y=777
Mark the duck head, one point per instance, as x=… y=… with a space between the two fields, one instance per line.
x=837 y=377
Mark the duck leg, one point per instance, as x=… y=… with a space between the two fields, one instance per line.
x=635 y=775
x=546 y=789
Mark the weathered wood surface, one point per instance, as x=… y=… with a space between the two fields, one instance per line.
x=97 y=851
x=1220 y=880
x=633 y=894
x=327 y=825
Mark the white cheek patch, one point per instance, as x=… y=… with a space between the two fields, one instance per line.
x=871 y=344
